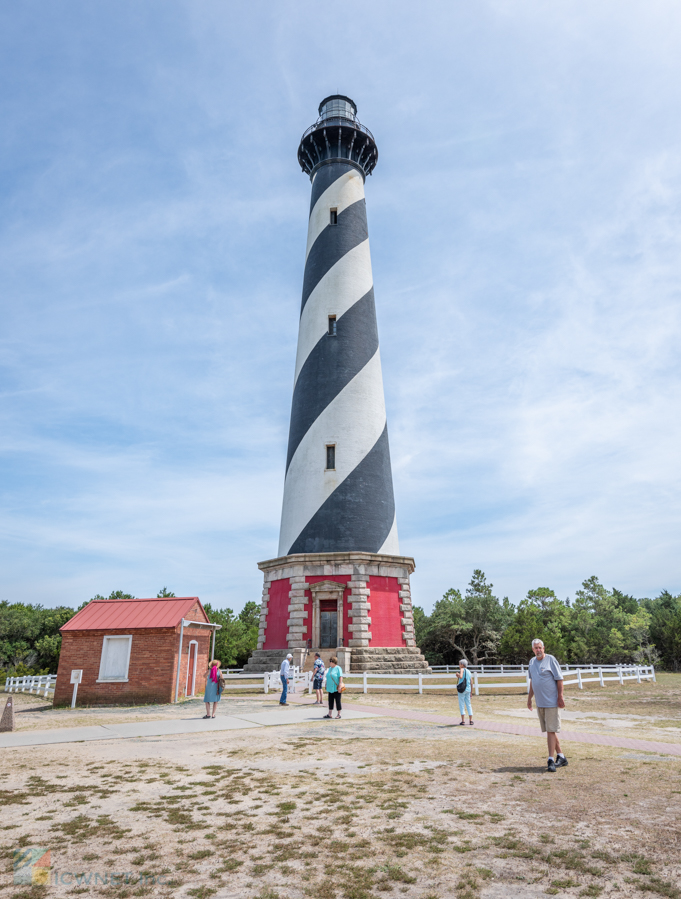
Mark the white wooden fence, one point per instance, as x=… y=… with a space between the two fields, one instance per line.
x=298 y=680
x=38 y=683
x=488 y=669
x=491 y=679
x=270 y=680
x=369 y=680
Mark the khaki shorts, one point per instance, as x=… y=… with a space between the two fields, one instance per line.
x=549 y=719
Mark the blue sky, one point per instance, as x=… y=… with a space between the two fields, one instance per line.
x=525 y=227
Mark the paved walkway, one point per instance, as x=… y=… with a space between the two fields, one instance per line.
x=292 y=714
x=301 y=711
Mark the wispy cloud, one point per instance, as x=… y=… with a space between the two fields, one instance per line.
x=524 y=219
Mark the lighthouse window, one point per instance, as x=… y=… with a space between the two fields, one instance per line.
x=332 y=326
x=331 y=457
x=334 y=216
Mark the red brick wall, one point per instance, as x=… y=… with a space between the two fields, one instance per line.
x=277 y=615
x=386 y=623
x=152 y=670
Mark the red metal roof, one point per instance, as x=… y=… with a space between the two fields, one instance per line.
x=128 y=614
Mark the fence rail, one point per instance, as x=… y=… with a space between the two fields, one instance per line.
x=36 y=683
x=366 y=680
x=44 y=684
x=485 y=669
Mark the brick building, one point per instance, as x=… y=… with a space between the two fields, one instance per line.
x=128 y=651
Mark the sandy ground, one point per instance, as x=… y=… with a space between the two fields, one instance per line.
x=351 y=809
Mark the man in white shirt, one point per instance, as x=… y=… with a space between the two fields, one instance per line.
x=546 y=685
x=284 y=672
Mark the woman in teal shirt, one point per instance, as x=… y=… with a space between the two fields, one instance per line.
x=334 y=686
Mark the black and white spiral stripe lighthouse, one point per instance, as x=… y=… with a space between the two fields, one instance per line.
x=338 y=492
x=338 y=581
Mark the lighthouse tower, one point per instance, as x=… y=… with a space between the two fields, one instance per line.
x=338 y=584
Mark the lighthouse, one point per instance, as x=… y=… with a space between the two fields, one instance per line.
x=338 y=585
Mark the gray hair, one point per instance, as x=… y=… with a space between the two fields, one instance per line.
x=463 y=663
x=537 y=640
x=289 y=656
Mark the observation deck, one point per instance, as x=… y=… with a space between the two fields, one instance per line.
x=337 y=136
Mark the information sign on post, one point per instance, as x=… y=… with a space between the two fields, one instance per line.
x=76 y=678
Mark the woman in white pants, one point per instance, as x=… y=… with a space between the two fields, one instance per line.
x=465 y=697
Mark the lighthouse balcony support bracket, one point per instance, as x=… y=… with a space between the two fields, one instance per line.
x=337 y=140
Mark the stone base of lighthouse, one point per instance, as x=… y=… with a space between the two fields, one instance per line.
x=354 y=605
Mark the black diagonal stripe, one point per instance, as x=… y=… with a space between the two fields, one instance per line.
x=359 y=514
x=333 y=243
x=331 y=365
x=325 y=177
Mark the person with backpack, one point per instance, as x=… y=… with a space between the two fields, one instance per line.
x=334 y=686
x=463 y=688
x=215 y=684
x=318 y=675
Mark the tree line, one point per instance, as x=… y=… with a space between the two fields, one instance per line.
x=599 y=626
x=30 y=641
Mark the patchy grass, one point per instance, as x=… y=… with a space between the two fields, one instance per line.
x=405 y=810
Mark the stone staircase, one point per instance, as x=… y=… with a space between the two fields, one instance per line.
x=324 y=653
x=265 y=660
x=390 y=660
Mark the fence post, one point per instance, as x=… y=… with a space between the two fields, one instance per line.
x=600 y=676
x=638 y=674
x=527 y=682
x=364 y=681
x=652 y=668
x=482 y=669
x=621 y=676
x=502 y=669
x=420 y=683
x=579 y=678
x=475 y=681
x=266 y=683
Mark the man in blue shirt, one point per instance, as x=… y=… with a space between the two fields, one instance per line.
x=546 y=685
x=284 y=673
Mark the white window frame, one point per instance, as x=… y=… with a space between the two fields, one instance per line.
x=196 y=658
x=114 y=680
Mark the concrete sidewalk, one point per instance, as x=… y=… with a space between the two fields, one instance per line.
x=292 y=714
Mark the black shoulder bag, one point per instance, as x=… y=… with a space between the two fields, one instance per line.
x=463 y=682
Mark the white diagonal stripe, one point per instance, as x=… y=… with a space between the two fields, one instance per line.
x=344 y=191
x=391 y=546
x=340 y=288
x=353 y=420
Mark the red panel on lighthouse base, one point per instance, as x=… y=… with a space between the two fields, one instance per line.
x=386 y=618
x=277 y=614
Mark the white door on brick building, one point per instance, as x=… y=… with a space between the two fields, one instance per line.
x=190 y=685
